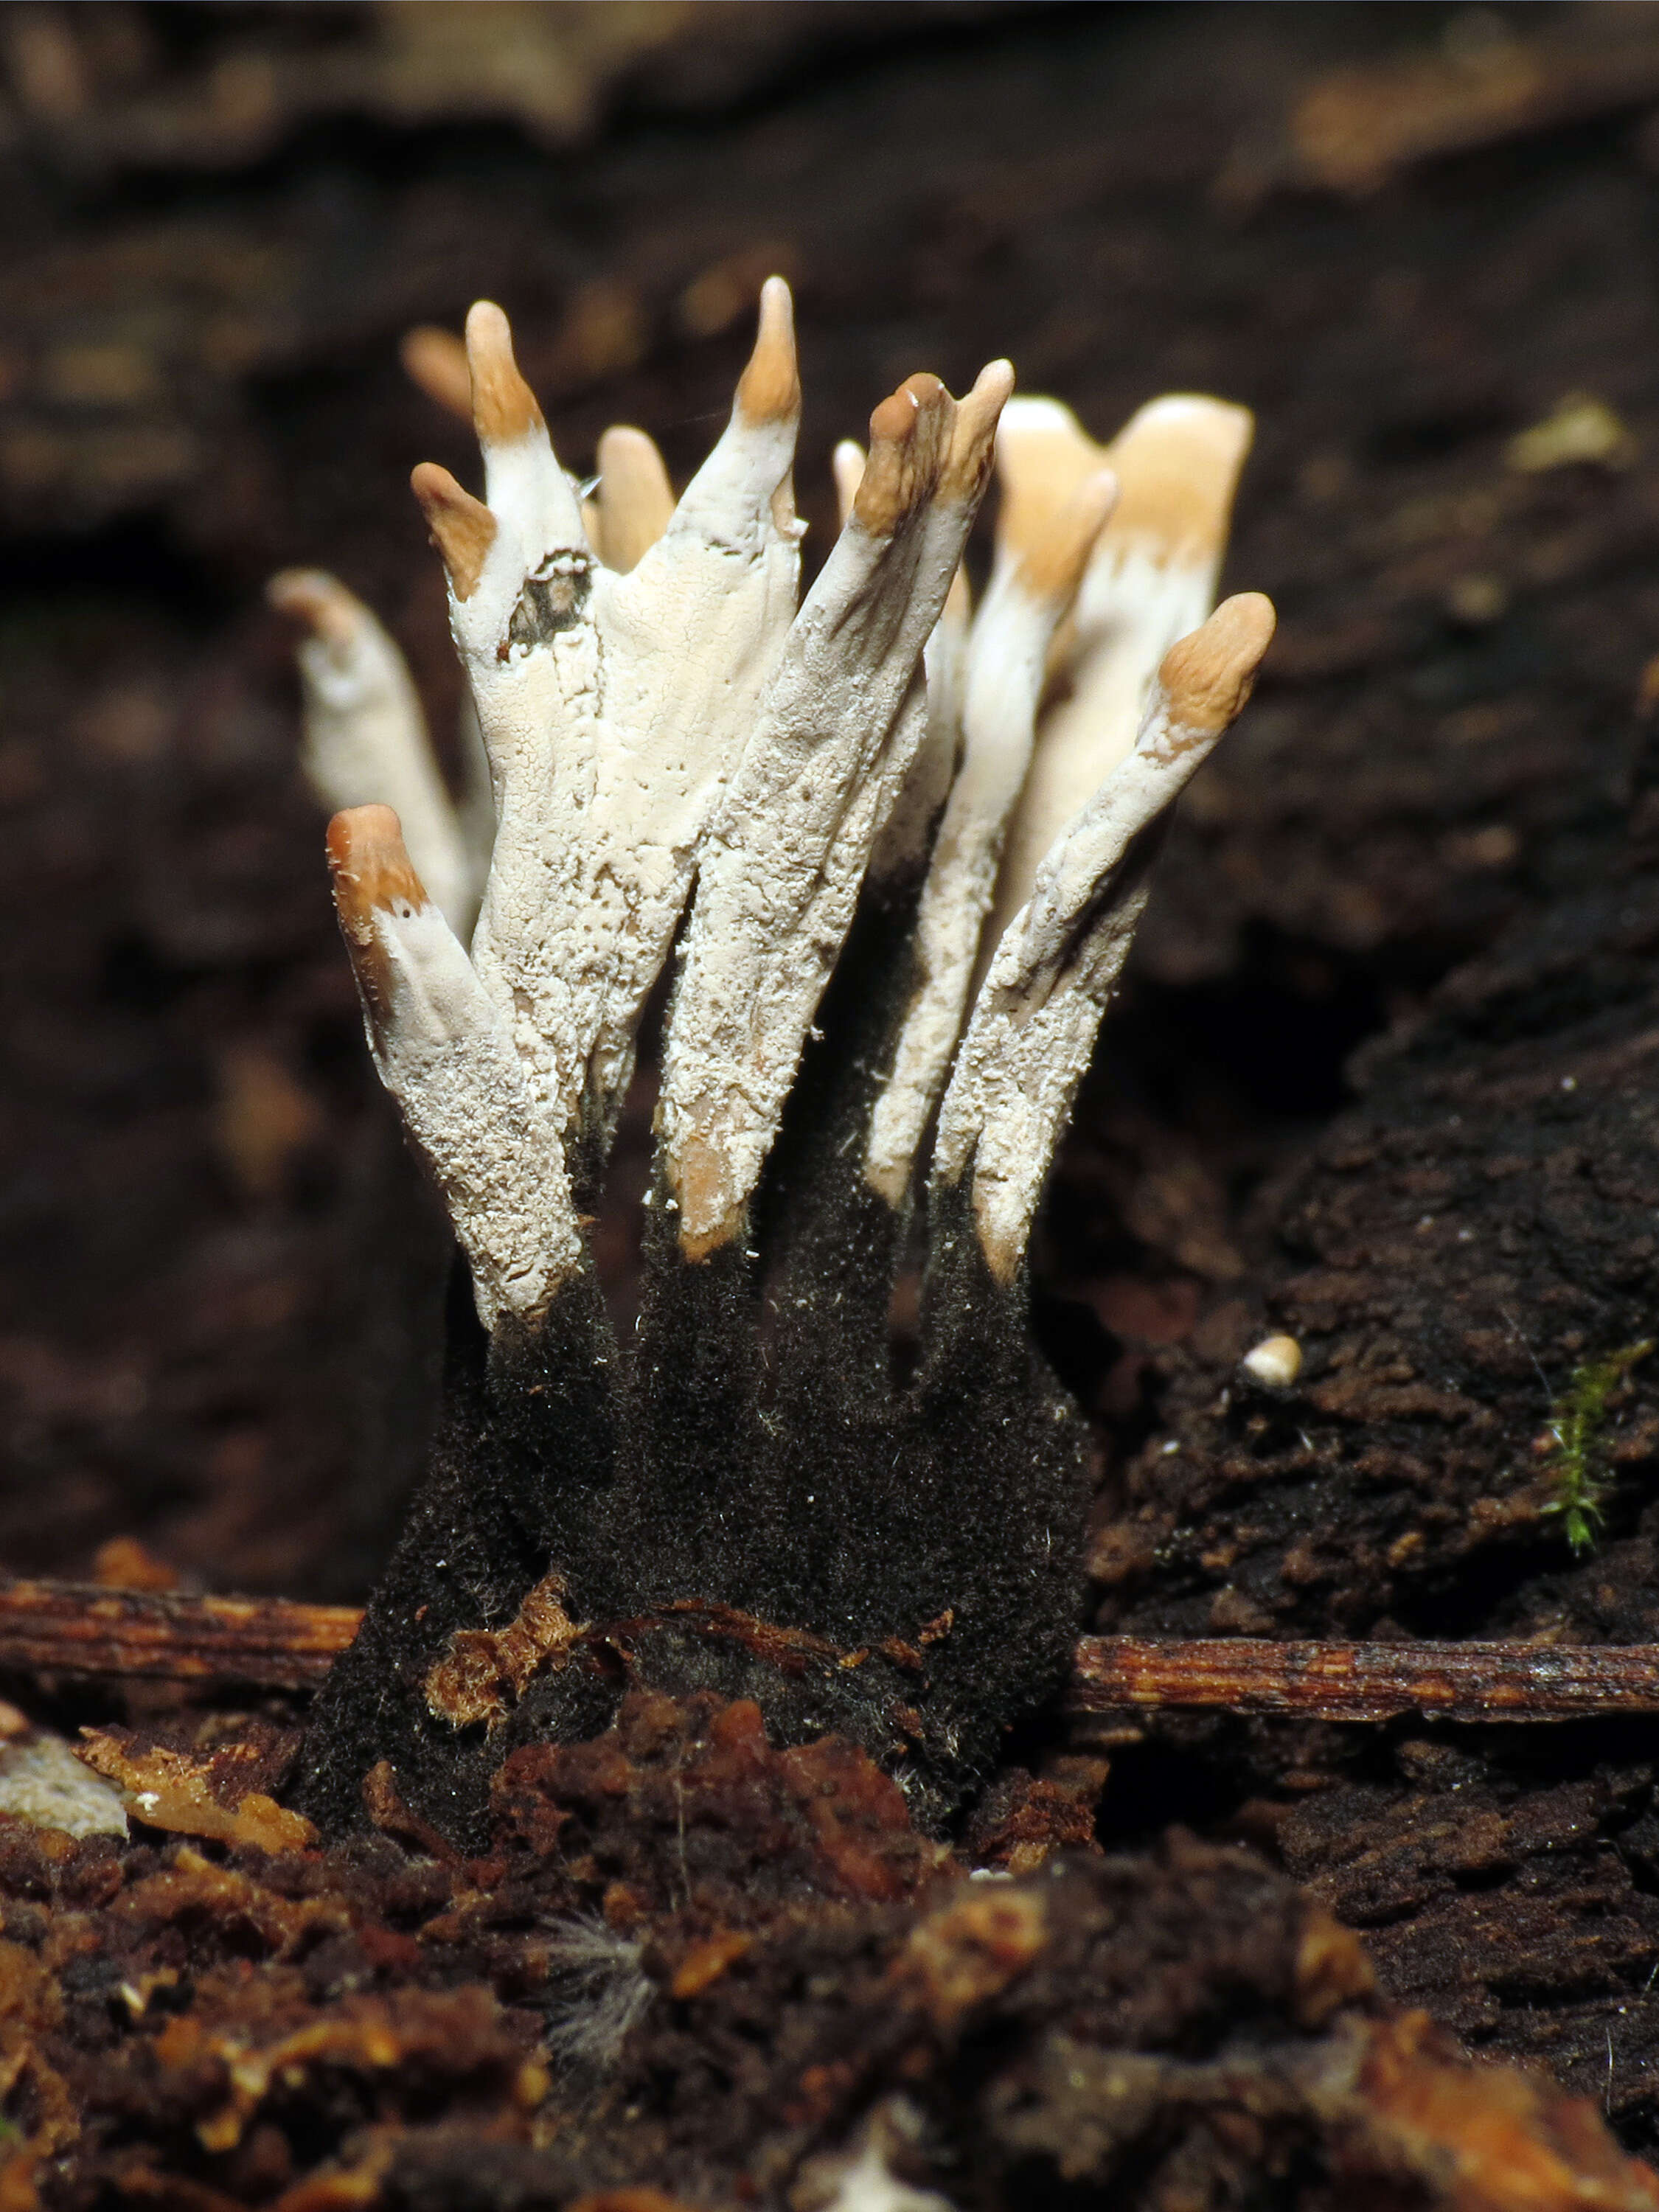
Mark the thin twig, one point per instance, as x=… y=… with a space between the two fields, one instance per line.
x=80 y=1629
x=1366 y=1681
x=166 y=1636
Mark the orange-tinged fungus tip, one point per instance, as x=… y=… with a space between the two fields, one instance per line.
x=369 y=860
x=462 y=528
x=434 y=361
x=1179 y=458
x=1208 y=676
x=1044 y=458
x=1053 y=568
x=372 y=873
x=635 y=498
x=909 y=433
x=320 y=601
x=768 y=391
x=973 y=437
x=503 y=405
x=894 y=419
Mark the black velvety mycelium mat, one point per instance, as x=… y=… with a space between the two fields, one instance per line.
x=1383 y=1076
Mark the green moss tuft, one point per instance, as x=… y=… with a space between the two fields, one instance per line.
x=1577 y=1469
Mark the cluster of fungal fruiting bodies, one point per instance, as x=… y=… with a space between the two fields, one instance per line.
x=894 y=849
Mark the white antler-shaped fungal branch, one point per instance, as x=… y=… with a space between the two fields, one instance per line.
x=832 y=746
x=366 y=737
x=658 y=718
x=613 y=706
x=1150 y=580
x=1034 y=1023
x=446 y=1057
x=1050 y=521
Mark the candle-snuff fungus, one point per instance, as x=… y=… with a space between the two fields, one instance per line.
x=890 y=847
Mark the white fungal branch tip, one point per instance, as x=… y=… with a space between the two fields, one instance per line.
x=434 y=361
x=614 y=699
x=444 y=1055
x=366 y=737
x=1150 y=580
x=1034 y=1022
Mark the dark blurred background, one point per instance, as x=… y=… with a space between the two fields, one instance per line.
x=1419 y=240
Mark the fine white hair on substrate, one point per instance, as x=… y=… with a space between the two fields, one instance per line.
x=597 y=1991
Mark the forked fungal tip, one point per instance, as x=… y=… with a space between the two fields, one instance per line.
x=1207 y=676
x=994 y=387
x=901 y=472
x=973 y=437
x=768 y=391
x=462 y=528
x=503 y=405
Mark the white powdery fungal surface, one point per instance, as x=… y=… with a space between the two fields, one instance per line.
x=789 y=851
x=443 y=1052
x=1053 y=971
x=613 y=708
x=665 y=731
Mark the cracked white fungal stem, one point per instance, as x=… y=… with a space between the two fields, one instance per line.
x=443 y=1053
x=788 y=851
x=613 y=706
x=1035 y=1020
x=912 y=811
x=1044 y=538
x=1113 y=606
x=366 y=737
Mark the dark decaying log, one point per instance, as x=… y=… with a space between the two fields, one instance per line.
x=83 y=1629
